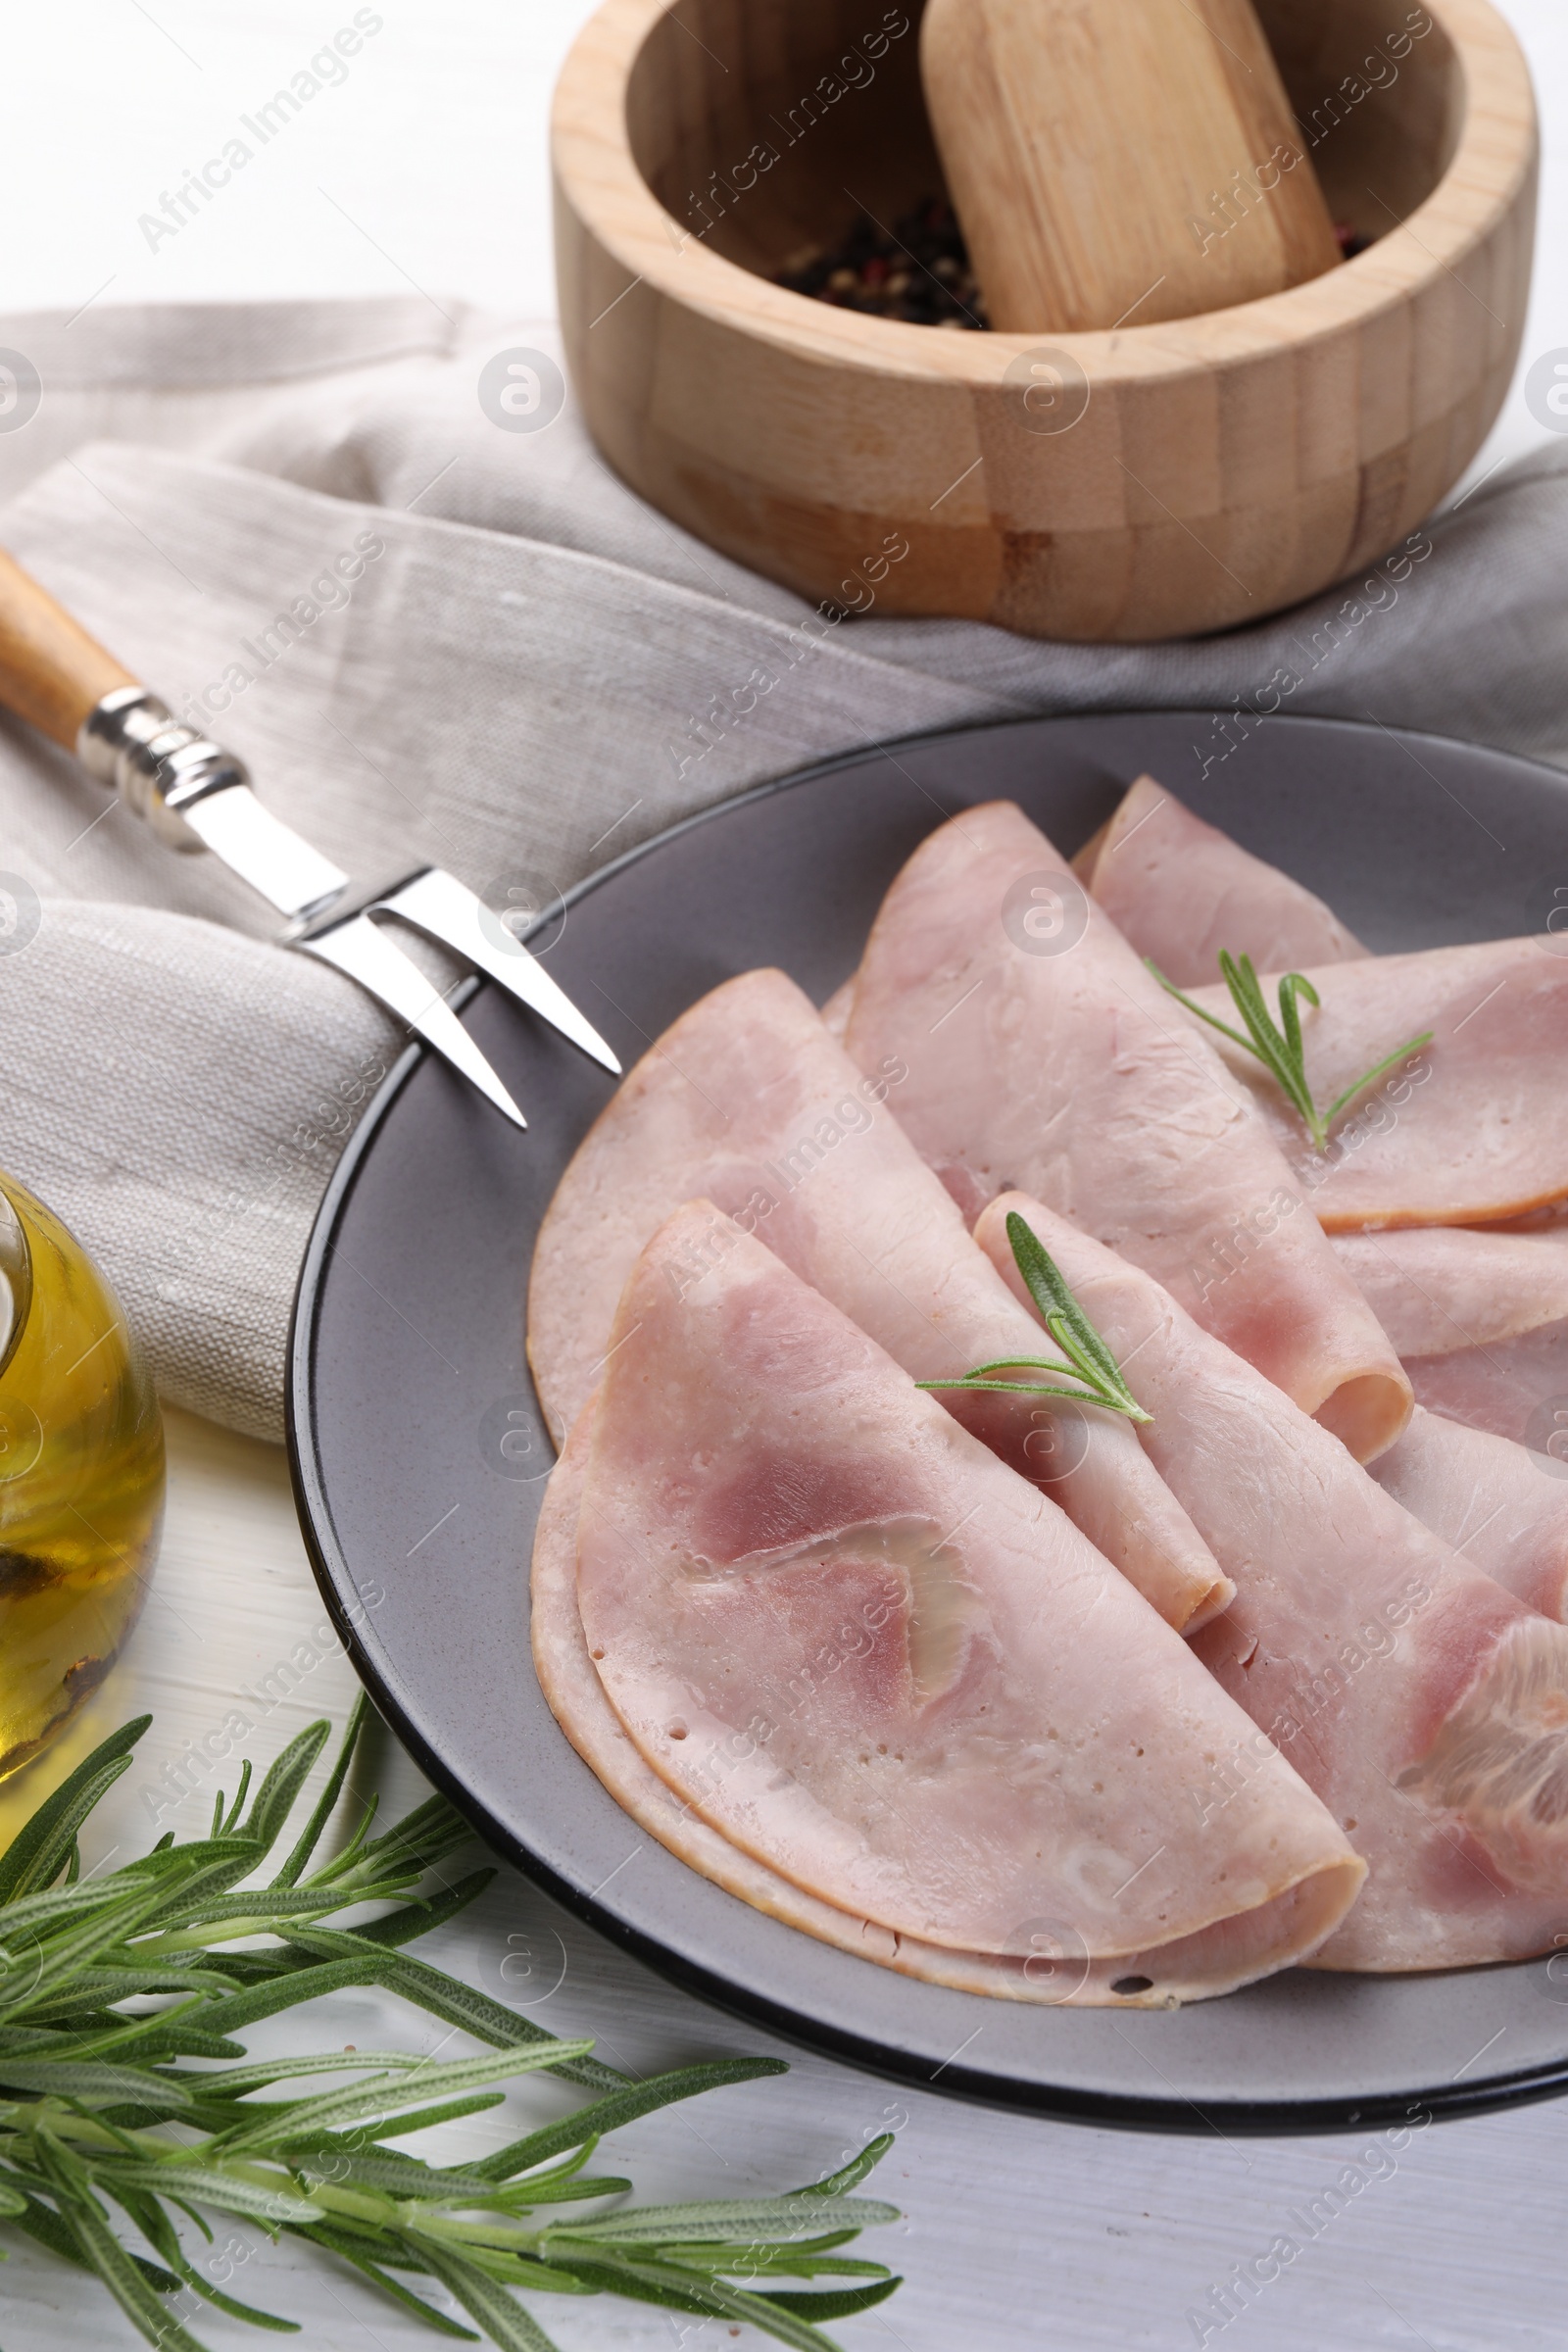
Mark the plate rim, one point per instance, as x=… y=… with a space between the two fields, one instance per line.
x=1178 y=2115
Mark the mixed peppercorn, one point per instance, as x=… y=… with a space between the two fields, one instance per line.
x=918 y=270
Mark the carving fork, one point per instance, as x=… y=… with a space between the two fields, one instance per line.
x=195 y=796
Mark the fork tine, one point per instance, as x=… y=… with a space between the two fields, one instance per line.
x=438 y=903
x=360 y=950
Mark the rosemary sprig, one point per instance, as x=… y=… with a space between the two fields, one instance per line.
x=1280 y=1049
x=106 y=1982
x=1091 y=1363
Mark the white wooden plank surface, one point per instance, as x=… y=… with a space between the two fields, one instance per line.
x=1021 y=2235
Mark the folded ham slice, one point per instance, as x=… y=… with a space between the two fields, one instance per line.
x=1052 y=1965
x=1474 y=1129
x=875 y=1661
x=1427 y=1706
x=1479 y=1320
x=836 y=1012
x=1502 y=1507
x=1043 y=1054
x=1179 y=891
x=747 y=1101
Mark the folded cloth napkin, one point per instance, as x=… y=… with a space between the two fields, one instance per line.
x=527 y=671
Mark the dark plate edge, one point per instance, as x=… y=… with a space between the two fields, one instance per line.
x=1252 y=2118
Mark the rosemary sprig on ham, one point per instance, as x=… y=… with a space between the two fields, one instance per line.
x=1092 y=1364
x=1280 y=1049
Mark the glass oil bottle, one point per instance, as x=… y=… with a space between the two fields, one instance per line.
x=81 y=1476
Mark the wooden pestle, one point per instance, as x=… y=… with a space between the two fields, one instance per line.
x=1115 y=159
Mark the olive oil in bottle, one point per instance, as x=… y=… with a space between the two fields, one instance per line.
x=81 y=1476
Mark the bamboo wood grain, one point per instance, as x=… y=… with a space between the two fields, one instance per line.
x=51 y=672
x=1118 y=156
x=1226 y=466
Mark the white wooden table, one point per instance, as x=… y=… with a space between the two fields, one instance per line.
x=427 y=165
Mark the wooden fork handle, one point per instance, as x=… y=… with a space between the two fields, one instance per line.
x=52 y=674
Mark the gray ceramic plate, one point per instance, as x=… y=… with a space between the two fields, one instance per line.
x=419 y=1456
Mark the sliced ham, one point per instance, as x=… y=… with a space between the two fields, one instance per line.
x=1472 y=1129
x=1438 y=1289
x=1179 y=891
x=1052 y=1964
x=1043 y=1054
x=749 y=1103
x=1479 y=1320
x=1427 y=1706
x=1502 y=1507
x=836 y=1012
x=875 y=1661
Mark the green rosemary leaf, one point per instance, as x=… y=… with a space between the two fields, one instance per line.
x=1387 y=1063
x=417 y=2119
x=108 y=2086
x=503 y=2320
x=784 y=2262
x=17 y=1862
x=428 y=1988
x=1272 y=1044
x=457 y=2004
x=43 y=2224
x=1281 y=1050
x=228 y=1912
x=310 y=1837
x=764 y=2219
x=520 y=2267
x=193 y=1880
x=429 y=1821
x=648 y=2278
x=117 y=1978
x=555 y=2188
x=1295 y=985
x=416 y=1842
x=160 y=2233
x=624 y=2105
x=420 y=1919
x=125 y=2280
x=1090 y=1368
x=235 y=1810
x=1091 y=1361
x=1060 y=1312
x=170 y=2177
x=33 y=1917
x=229 y=2305
x=840 y=2184
x=57 y=1849
x=148 y=2036
x=338 y=2242
x=845 y=2304
x=389 y=2094
x=653 y=2282
x=344 y=1864
x=1015 y=1388
x=288 y=1987
x=275 y=1798
x=234 y=2082
x=396 y=2176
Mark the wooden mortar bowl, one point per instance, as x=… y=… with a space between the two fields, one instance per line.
x=1223 y=467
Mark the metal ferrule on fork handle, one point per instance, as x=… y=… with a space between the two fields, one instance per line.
x=196 y=796
x=132 y=742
